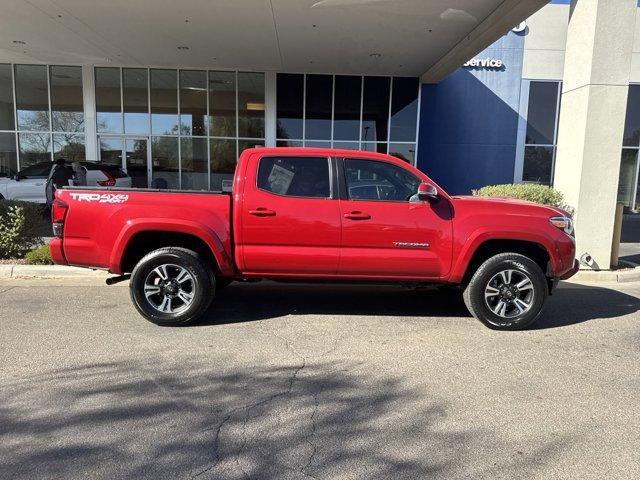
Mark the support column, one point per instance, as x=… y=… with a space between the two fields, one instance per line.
x=594 y=98
x=270 y=109
x=89 y=99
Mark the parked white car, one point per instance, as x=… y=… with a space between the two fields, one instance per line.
x=30 y=183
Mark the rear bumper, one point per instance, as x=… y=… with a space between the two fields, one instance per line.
x=57 y=254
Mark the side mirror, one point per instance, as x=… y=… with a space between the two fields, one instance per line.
x=427 y=192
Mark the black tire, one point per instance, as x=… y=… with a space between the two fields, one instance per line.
x=488 y=279
x=200 y=285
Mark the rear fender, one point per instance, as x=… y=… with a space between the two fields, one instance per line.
x=206 y=234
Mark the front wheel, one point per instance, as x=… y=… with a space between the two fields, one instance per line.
x=507 y=292
x=171 y=286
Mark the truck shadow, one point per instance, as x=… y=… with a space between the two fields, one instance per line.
x=570 y=303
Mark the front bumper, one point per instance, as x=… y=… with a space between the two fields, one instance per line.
x=572 y=271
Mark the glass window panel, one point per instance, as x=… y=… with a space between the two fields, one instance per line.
x=632 y=121
x=108 y=101
x=404 y=151
x=8 y=157
x=251 y=104
x=347 y=145
x=404 y=109
x=290 y=93
x=223 y=162
x=538 y=163
x=375 y=108
x=295 y=176
x=69 y=147
x=194 y=162
x=6 y=99
x=67 y=109
x=136 y=162
x=32 y=97
x=317 y=144
x=164 y=158
x=541 y=116
x=135 y=100
x=34 y=148
x=193 y=102
x=222 y=104
x=244 y=144
x=164 y=102
x=289 y=143
x=318 y=104
x=111 y=151
x=346 y=122
x=627 y=179
x=374 y=147
x=371 y=180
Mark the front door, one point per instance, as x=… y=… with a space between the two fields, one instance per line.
x=386 y=232
x=290 y=218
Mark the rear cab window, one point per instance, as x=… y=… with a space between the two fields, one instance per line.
x=307 y=177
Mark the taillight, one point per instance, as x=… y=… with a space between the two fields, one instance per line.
x=58 y=212
x=109 y=182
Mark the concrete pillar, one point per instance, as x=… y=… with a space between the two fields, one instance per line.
x=594 y=97
x=90 y=129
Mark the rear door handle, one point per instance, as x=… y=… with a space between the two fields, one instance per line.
x=357 y=216
x=262 y=212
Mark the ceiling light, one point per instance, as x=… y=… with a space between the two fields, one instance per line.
x=19 y=42
x=183 y=47
x=375 y=55
x=255 y=106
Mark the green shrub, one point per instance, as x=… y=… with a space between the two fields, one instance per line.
x=39 y=256
x=19 y=228
x=531 y=192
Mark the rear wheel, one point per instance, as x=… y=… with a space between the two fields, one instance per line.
x=507 y=292
x=172 y=286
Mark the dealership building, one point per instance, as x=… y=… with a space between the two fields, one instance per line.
x=471 y=92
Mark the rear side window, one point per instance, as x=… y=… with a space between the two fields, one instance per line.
x=376 y=180
x=295 y=176
x=113 y=170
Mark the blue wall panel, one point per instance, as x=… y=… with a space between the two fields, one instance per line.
x=469 y=121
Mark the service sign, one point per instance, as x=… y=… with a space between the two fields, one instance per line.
x=490 y=63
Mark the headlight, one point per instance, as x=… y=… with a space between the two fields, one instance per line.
x=563 y=223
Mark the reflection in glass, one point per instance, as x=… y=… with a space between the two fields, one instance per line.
x=67 y=109
x=541 y=116
x=194 y=160
x=317 y=144
x=375 y=108
x=347 y=145
x=193 y=102
x=404 y=109
x=318 y=106
x=290 y=92
x=346 y=123
x=288 y=143
x=538 y=165
x=632 y=121
x=223 y=162
x=222 y=104
x=404 y=151
x=164 y=158
x=108 y=101
x=164 y=102
x=8 y=157
x=34 y=148
x=32 y=97
x=111 y=151
x=68 y=146
x=6 y=99
x=374 y=147
x=251 y=105
x=135 y=100
x=244 y=144
x=136 y=162
x=627 y=179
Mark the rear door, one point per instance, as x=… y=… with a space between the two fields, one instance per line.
x=386 y=232
x=290 y=218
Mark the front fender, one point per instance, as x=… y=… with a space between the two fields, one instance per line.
x=138 y=225
x=480 y=236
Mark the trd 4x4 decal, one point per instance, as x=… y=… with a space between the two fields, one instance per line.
x=99 y=197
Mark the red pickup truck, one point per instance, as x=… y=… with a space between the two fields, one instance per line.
x=317 y=214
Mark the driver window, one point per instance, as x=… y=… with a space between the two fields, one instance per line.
x=377 y=180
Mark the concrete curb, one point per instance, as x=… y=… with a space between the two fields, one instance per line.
x=48 y=271
x=616 y=276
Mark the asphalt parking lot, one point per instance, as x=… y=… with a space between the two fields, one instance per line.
x=316 y=381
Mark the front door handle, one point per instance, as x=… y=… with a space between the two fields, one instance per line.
x=262 y=212
x=356 y=215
